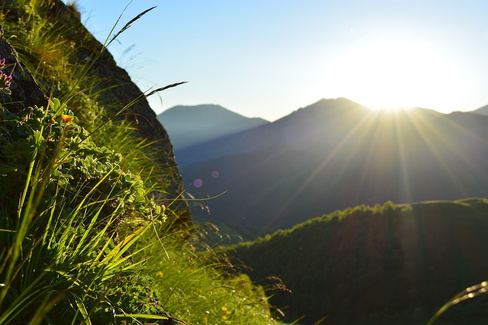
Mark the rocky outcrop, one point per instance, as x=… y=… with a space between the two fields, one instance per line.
x=25 y=91
x=117 y=91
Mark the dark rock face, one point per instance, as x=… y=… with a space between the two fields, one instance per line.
x=25 y=91
x=117 y=91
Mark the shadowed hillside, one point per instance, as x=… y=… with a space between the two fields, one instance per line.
x=336 y=154
x=390 y=264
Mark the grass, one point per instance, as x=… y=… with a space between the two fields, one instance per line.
x=81 y=240
x=469 y=293
x=193 y=283
x=65 y=243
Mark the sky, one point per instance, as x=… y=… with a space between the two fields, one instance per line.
x=267 y=58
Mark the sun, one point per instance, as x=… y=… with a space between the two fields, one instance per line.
x=392 y=74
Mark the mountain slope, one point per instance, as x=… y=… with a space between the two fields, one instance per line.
x=482 y=110
x=337 y=154
x=192 y=125
x=300 y=128
x=376 y=265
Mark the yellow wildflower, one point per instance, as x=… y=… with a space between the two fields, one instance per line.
x=67 y=119
x=224 y=308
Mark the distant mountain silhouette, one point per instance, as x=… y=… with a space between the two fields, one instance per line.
x=335 y=154
x=191 y=125
x=299 y=129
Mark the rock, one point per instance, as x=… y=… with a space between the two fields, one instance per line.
x=118 y=91
x=25 y=91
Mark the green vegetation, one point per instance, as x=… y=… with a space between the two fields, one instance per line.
x=391 y=264
x=86 y=239
x=82 y=241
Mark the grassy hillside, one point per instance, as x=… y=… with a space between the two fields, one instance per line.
x=84 y=237
x=390 y=264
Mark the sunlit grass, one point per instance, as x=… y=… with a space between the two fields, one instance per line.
x=193 y=284
x=69 y=229
x=62 y=255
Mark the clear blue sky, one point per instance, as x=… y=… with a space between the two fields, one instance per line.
x=267 y=58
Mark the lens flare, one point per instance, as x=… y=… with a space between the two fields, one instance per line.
x=198 y=183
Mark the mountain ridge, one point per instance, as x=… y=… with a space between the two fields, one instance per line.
x=291 y=129
x=482 y=110
x=192 y=125
x=318 y=160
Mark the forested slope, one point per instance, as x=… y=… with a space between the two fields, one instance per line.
x=395 y=264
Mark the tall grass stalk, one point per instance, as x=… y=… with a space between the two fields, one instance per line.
x=468 y=293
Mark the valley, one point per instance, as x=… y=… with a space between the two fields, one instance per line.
x=333 y=155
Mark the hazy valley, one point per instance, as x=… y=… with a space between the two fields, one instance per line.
x=332 y=155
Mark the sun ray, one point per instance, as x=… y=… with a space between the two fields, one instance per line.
x=404 y=177
x=421 y=124
x=387 y=144
x=362 y=126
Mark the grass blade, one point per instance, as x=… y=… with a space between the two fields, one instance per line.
x=129 y=24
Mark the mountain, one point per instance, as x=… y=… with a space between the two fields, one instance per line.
x=335 y=154
x=482 y=110
x=390 y=264
x=300 y=128
x=191 y=125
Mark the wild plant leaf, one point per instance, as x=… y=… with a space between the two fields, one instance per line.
x=123 y=246
x=82 y=309
x=143 y=316
x=56 y=106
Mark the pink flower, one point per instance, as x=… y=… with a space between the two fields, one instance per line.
x=5 y=80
